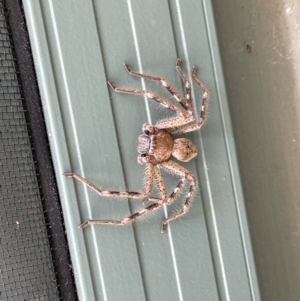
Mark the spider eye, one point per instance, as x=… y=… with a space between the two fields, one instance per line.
x=147 y=132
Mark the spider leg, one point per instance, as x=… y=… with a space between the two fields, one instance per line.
x=188 y=87
x=174 y=168
x=123 y=221
x=164 y=82
x=150 y=170
x=159 y=181
x=174 y=122
x=151 y=95
x=205 y=98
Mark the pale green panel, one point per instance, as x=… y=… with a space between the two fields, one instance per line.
x=78 y=46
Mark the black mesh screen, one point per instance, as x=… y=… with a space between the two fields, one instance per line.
x=28 y=252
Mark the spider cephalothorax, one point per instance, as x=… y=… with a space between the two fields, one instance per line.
x=157 y=145
x=155 y=148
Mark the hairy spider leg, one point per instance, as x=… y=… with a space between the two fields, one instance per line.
x=205 y=97
x=159 y=181
x=152 y=173
x=123 y=221
x=174 y=168
x=181 y=117
x=151 y=95
x=188 y=87
x=149 y=172
x=157 y=203
x=185 y=103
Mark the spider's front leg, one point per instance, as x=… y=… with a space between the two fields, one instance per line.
x=157 y=204
x=174 y=168
x=150 y=95
x=149 y=173
x=183 y=116
x=152 y=173
x=186 y=103
x=123 y=221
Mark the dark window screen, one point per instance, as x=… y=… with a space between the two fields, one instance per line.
x=28 y=250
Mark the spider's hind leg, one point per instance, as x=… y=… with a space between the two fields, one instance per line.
x=205 y=98
x=188 y=87
x=205 y=94
x=172 y=167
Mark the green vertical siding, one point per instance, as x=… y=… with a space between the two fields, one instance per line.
x=77 y=46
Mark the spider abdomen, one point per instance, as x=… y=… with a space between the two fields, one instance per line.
x=184 y=150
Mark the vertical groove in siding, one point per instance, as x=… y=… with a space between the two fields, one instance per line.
x=95 y=132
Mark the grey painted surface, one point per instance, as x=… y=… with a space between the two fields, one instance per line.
x=263 y=92
x=77 y=46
